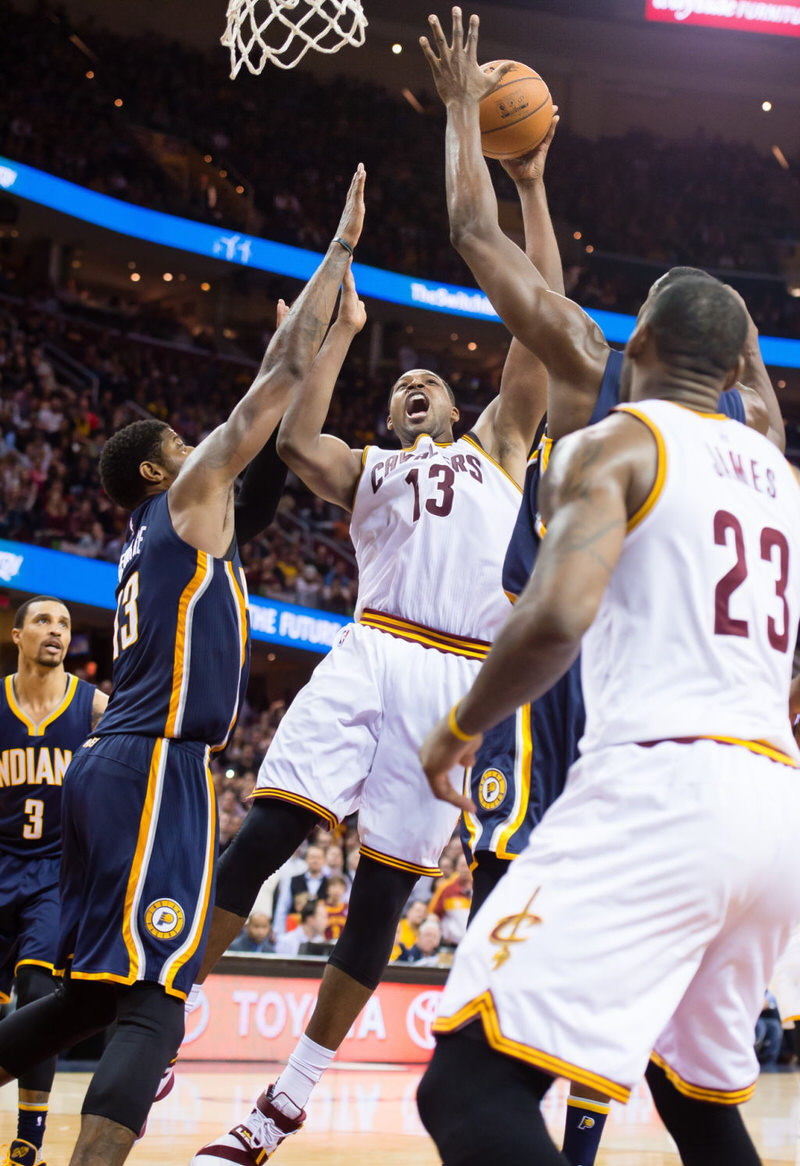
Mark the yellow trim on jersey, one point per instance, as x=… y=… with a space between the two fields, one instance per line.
x=483 y=1008
x=4 y=998
x=585 y=1103
x=136 y=870
x=298 y=800
x=239 y=589
x=180 y=641
x=661 y=468
x=417 y=633
x=510 y=596
x=523 y=766
x=470 y=819
x=169 y=983
x=39 y=730
x=35 y=964
x=359 y=476
x=494 y=461
x=699 y=1092
x=762 y=748
x=546 y=447
x=417 y=440
x=398 y=863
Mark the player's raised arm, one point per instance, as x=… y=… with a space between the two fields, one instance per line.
x=541 y=245
x=762 y=411
x=560 y=333
x=199 y=499
x=595 y=479
x=326 y=464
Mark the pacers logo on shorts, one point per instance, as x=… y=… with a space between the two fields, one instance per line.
x=492 y=789
x=164 y=918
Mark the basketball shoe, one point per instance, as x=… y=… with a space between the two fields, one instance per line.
x=256 y=1139
x=21 y=1153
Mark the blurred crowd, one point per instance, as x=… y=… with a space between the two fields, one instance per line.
x=634 y=200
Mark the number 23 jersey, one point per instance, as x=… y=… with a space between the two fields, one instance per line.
x=695 y=634
x=430 y=527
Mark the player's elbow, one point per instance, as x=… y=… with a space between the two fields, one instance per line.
x=287 y=446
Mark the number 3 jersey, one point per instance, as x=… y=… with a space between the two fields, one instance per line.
x=33 y=761
x=695 y=634
x=181 y=638
x=430 y=527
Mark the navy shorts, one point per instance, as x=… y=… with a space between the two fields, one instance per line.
x=521 y=769
x=29 y=913
x=138 y=866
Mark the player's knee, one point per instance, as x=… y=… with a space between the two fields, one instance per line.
x=148 y=1034
x=706 y=1134
x=376 y=904
x=32 y=983
x=269 y=835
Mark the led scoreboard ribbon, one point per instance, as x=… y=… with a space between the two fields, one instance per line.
x=281 y=259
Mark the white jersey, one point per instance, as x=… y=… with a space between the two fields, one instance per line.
x=430 y=526
x=696 y=631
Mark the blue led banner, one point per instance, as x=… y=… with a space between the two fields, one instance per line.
x=77 y=580
x=261 y=254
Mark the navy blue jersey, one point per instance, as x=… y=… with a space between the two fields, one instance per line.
x=33 y=760
x=521 y=554
x=181 y=636
x=522 y=763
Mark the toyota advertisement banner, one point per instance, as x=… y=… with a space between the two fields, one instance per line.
x=249 y=1018
x=776 y=17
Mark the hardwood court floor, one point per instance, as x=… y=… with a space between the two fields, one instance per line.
x=366 y=1116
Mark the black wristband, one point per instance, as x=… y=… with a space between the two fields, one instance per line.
x=345 y=244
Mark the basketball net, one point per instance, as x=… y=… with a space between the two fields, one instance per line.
x=282 y=31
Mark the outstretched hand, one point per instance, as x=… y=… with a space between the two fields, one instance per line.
x=440 y=751
x=352 y=219
x=352 y=312
x=456 y=73
x=530 y=167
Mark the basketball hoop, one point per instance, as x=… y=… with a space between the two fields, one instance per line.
x=282 y=31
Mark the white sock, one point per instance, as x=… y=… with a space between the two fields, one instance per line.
x=304 y=1068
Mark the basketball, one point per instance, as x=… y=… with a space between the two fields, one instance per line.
x=516 y=116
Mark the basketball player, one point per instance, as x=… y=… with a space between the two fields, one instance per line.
x=650 y=904
x=45 y=716
x=420 y=514
x=133 y=919
x=522 y=764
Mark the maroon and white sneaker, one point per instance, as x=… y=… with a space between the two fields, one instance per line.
x=256 y=1139
x=165 y=1087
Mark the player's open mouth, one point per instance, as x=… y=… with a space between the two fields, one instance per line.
x=417 y=405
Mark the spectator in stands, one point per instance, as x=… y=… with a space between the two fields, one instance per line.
x=452 y=901
x=313 y=922
x=257 y=935
x=426 y=950
x=410 y=923
x=336 y=906
x=769 y=1034
x=311 y=879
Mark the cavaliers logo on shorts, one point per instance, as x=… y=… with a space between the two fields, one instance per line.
x=492 y=789
x=164 y=919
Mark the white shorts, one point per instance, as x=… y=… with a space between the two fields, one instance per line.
x=643 y=918
x=349 y=742
x=785 y=982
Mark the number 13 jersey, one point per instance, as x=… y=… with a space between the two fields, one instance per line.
x=430 y=527
x=696 y=631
